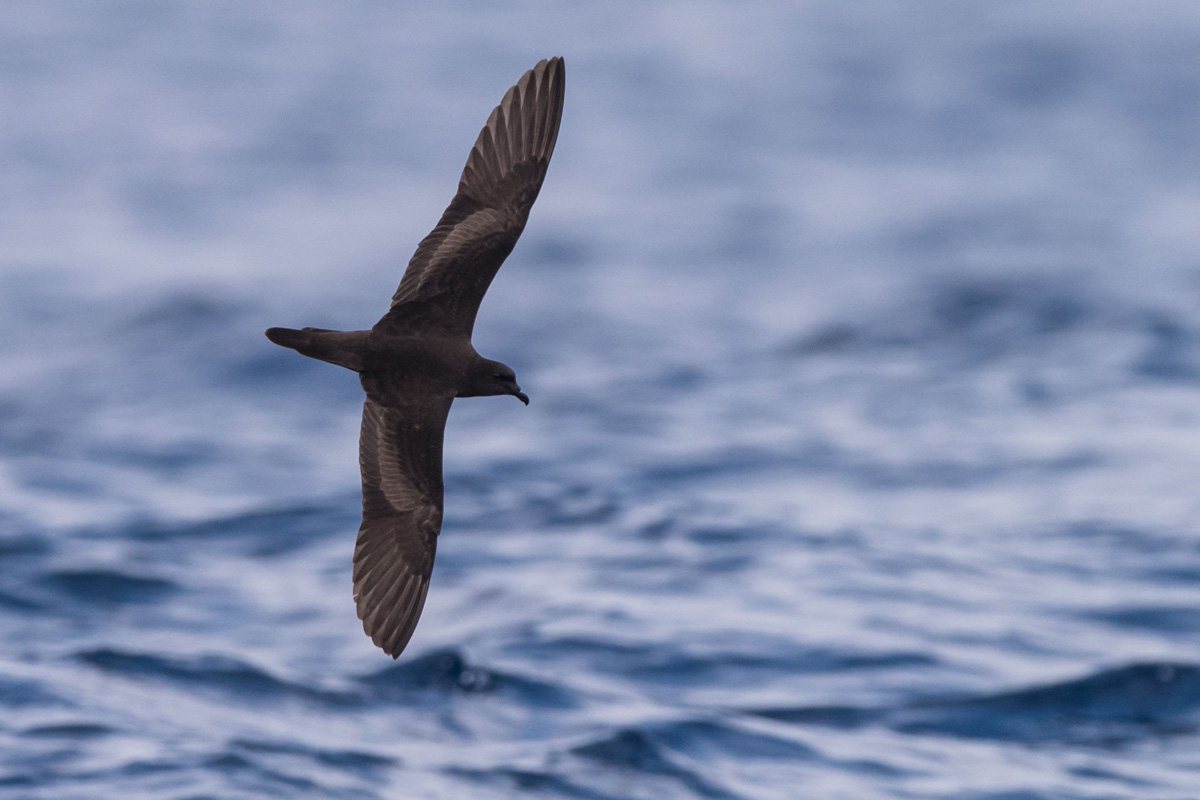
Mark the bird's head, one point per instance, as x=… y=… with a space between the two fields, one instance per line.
x=491 y=378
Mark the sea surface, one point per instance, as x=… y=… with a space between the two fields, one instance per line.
x=863 y=456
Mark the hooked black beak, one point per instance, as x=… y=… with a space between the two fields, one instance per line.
x=521 y=396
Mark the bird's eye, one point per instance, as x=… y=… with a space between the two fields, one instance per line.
x=499 y=377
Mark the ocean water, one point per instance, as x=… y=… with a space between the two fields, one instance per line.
x=863 y=457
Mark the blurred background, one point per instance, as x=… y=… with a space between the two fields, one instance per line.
x=864 y=444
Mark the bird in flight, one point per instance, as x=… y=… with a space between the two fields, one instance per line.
x=419 y=356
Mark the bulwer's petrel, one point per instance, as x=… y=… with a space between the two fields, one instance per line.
x=419 y=356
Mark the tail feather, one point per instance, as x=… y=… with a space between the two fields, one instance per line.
x=344 y=348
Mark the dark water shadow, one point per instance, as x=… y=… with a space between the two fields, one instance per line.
x=1108 y=708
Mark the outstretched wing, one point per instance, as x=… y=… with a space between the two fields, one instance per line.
x=454 y=265
x=400 y=454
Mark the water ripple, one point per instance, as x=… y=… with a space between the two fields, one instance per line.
x=110 y=586
x=1107 y=707
x=228 y=676
x=448 y=671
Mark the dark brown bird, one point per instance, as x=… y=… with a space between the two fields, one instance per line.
x=419 y=356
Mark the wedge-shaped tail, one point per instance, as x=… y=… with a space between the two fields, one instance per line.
x=344 y=348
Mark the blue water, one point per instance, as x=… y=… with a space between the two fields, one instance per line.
x=863 y=458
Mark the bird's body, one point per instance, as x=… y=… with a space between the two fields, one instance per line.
x=419 y=356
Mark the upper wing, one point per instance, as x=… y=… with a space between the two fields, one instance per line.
x=400 y=454
x=454 y=265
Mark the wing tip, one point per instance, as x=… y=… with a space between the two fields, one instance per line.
x=393 y=633
x=553 y=63
x=523 y=126
x=389 y=602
